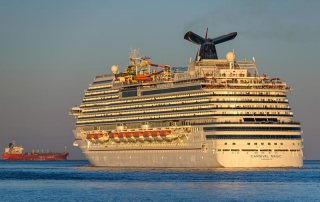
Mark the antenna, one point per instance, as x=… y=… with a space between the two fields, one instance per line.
x=206 y=35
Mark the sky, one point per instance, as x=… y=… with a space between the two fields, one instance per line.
x=51 y=50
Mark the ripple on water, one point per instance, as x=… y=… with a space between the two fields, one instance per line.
x=76 y=180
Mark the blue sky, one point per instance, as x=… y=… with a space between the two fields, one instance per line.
x=51 y=50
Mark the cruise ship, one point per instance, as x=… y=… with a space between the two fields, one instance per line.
x=216 y=113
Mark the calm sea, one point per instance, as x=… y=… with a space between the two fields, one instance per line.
x=77 y=181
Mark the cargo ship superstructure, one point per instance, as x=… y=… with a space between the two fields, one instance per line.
x=217 y=113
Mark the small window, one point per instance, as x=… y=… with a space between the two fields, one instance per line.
x=281 y=143
x=262 y=143
x=275 y=143
x=225 y=143
x=255 y=143
x=233 y=143
x=248 y=143
x=269 y=143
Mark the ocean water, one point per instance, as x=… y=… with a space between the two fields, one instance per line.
x=78 y=181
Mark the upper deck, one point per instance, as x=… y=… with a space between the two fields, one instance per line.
x=210 y=73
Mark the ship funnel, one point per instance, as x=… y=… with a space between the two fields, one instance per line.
x=207 y=45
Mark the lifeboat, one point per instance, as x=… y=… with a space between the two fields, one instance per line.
x=140 y=136
x=158 y=136
x=124 y=137
x=116 y=137
x=132 y=138
x=143 y=78
x=97 y=137
x=104 y=138
x=169 y=136
x=149 y=136
x=165 y=132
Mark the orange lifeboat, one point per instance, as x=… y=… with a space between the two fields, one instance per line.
x=115 y=137
x=124 y=137
x=170 y=136
x=94 y=136
x=132 y=138
x=90 y=136
x=166 y=132
x=140 y=136
x=143 y=78
x=149 y=136
x=97 y=137
x=103 y=138
x=158 y=136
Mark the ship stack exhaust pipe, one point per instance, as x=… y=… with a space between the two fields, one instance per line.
x=207 y=45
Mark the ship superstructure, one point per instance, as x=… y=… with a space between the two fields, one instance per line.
x=218 y=113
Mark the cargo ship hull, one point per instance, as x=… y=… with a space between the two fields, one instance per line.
x=35 y=157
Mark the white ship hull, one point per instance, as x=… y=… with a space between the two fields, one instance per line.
x=213 y=155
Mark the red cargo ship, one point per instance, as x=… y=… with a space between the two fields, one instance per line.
x=15 y=153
